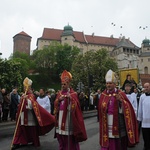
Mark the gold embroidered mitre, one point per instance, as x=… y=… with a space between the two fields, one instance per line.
x=27 y=82
x=66 y=76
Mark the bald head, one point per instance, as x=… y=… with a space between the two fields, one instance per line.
x=147 y=88
x=3 y=91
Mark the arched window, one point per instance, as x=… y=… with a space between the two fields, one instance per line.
x=146 y=70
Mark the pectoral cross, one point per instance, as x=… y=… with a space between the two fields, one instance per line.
x=62 y=102
x=110 y=101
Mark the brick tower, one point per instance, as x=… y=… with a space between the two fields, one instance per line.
x=22 y=43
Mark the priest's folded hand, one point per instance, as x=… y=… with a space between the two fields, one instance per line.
x=24 y=96
x=61 y=97
x=118 y=97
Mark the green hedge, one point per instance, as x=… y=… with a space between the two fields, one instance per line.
x=39 y=81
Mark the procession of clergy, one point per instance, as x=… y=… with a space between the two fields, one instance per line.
x=120 y=117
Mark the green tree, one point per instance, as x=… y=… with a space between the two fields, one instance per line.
x=65 y=57
x=45 y=61
x=21 y=55
x=24 y=66
x=28 y=60
x=10 y=74
x=52 y=60
x=91 y=68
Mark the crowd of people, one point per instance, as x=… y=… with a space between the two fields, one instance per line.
x=9 y=102
x=121 y=114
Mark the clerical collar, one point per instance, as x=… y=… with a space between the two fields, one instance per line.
x=147 y=94
x=66 y=90
x=127 y=92
x=111 y=92
x=42 y=96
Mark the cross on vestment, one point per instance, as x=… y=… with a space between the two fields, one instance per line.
x=62 y=102
x=110 y=101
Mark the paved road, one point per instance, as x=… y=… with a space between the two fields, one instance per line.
x=49 y=143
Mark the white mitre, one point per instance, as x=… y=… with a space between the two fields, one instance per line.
x=110 y=76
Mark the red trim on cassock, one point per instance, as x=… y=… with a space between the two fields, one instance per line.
x=79 y=131
x=129 y=116
x=46 y=121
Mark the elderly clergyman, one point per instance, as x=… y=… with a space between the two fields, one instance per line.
x=118 y=123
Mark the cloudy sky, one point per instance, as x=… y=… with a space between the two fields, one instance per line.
x=101 y=17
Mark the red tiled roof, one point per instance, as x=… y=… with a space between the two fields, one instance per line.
x=55 y=34
x=51 y=34
x=101 y=40
x=79 y=36
x=23 y=33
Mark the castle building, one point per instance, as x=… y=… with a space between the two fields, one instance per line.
x=127 y=54
x=145 y=56
x=22 y=43
x=75 y=38
x=123 y=50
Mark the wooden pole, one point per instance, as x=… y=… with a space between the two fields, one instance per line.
x=69 y=111
x=17 y=124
